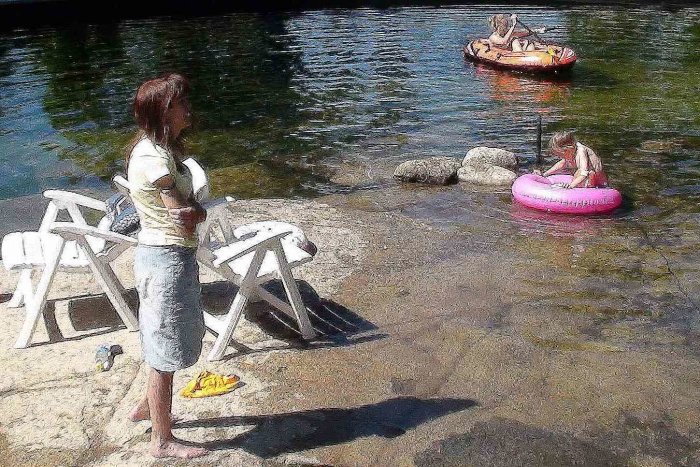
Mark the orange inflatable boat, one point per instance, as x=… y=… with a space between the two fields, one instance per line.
x=554 y=58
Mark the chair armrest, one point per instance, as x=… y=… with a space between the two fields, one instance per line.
x=243 y=247
x=229 y=203
x=69 y=197
x=200 y=183
x=121 y=184
x=71 y=231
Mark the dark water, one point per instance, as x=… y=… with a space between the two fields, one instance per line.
x=282 y=100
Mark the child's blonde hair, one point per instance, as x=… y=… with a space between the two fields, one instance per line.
x=500 y=23
x=562 y=140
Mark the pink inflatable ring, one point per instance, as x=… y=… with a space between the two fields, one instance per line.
x=538 y=192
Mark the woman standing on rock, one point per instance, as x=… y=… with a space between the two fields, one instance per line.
x=167 y=276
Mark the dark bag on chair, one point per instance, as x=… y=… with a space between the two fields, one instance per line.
x=125 y=219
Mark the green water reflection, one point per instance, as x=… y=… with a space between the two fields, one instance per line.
x=245 y=107
x=282 y=100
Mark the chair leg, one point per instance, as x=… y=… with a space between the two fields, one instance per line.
x=23 y=289
x=35 y=304
x=204 y=232
x=226 y=229
x=290 y=286
x=239 y=303
x=230 y=323
x=110 y=284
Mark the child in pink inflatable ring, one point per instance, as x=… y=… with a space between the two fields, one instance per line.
x=587 y=166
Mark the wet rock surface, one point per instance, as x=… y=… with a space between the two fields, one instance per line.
x=501 y=442
x=492 y=156
x=481 y=173
x=527 y=353
x=504 y=442
x=662 y=146
x=433 y=170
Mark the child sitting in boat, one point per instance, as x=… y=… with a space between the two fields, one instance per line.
x=504 y=35
x=587 y=166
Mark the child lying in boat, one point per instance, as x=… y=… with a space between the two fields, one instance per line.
x=504 y=35
x=587 y=166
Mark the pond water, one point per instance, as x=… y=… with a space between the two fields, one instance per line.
x=282 y=100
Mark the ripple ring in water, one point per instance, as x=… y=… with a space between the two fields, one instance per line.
x=539 y=192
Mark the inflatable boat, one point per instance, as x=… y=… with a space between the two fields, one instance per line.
x=554 y=58
x=542 y=193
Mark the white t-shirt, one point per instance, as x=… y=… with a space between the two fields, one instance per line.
x=148 y=163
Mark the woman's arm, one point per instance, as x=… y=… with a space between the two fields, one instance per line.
x=555 y=168
x=509 y=34
x=185 y=212
x=582 y=168
x=578 y=178
x=497 y=39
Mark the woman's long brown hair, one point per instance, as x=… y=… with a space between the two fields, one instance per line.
x=151 y=104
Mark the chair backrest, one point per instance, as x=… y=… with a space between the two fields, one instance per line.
x=200 y=183
x=71 y=203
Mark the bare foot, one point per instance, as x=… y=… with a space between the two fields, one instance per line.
x=141 y=412
x=174 y=448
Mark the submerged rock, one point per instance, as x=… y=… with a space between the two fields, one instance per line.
x=492 y=156
x=662 y=146
x=433 y=170
x=481 y=173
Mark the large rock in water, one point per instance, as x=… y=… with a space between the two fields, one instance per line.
x=486 y=174
x=434 y=170
x=492 y=156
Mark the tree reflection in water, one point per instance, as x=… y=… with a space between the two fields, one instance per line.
x=244 y=105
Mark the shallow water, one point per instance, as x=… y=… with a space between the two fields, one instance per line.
x=283 y=100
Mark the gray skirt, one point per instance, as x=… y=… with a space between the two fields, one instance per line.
x=170 y=317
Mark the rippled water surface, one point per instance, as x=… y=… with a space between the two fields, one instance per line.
x=282 y=100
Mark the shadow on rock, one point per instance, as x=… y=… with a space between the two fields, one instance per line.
x=335 y=324
x=88 y=315
x=298 y=431
x=96 y=311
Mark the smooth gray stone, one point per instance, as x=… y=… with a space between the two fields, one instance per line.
x=433 y=170
x=480 y=173
x=492 y=156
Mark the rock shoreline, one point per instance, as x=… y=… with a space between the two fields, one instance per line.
x=452 y=348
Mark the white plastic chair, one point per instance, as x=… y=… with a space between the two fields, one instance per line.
x=75 y=247
x=250 y=264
